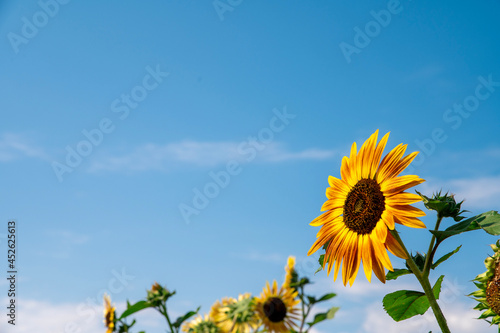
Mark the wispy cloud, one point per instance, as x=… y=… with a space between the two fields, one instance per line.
x=47 y=317
x=62 y=243
x=361 y=307
x=261 y=257
x=204 y=154
x=479 y=193
x=14 y=146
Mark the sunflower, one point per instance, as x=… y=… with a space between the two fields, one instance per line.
x=277 y=308
x=289 y=272
x=488 y=294
x=109 y=314
x=201 y=325
x=361 y=208
x=235 y=316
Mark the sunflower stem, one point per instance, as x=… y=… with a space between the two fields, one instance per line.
x=432 y=250
x=163 y=311
x=304 y=315
x=423 y=279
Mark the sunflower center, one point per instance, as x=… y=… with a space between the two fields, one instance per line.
x=493 y=295
x=364 y=206
x=275 y=309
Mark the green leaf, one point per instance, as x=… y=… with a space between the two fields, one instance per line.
x=393 y=275
x=404 y=304
x=323 y=316
x=178 y=322
x=326 y=297
x=445 y=257
x=311 y=299
x=320 y=260
x=141 y=305
x=489 y=221
x=436 y=290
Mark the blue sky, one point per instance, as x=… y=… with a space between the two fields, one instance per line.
x=157 y=99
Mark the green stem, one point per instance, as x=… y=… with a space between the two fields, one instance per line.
x=432 y=250
x=163 y=311
x=301 y=296
x=424 y=282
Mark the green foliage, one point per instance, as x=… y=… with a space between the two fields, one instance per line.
x=489 y=222
x=323 y=316
x=393 y=275
x=445 y=205
x=404 y=304
x=445 y=257
x=131 y=309
x=178 y=322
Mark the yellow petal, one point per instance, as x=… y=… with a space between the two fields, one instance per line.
x=394 y=247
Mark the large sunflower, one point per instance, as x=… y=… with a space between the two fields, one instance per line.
x=109 y=314
x=361 y=208
x=277 y=308
x=488 y=283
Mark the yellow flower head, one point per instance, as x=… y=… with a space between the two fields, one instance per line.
x=235 y=316
x=362 y=206
x=109 y=314
x=289 y=271
x=488 y=283
x=201 y=325
x=277 y=308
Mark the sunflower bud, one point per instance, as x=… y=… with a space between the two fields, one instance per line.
x=158 y=294
x=445 y=205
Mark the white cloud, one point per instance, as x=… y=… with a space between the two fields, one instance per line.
x=63 y=241
x=459 y=315
x=15 y=146
x=206 y=154
x=261 y=257
x=46 y=317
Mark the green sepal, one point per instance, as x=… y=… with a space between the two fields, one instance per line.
x=487 y=313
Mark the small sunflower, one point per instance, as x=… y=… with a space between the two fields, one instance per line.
x=362 y=206
x=488 y=294
x=277 y=308
x=289 y=272
x=201 y=325
x=235 y=316
x=109 y=314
